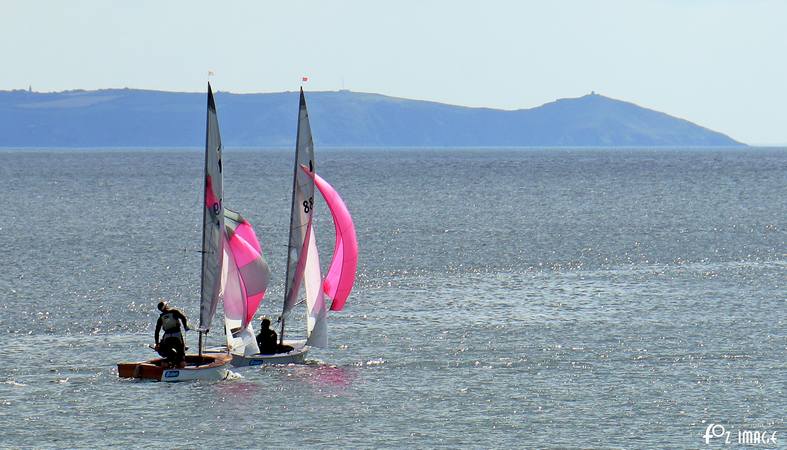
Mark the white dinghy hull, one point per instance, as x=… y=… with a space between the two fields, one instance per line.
x=296 y=356
x=211 y=367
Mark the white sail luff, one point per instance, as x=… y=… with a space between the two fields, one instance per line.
x=316 y=312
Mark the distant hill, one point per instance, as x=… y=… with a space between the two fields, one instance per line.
x=140 y=118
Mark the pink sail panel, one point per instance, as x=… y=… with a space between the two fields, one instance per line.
x=211 y=201
x=244 y=244
x=341 y=274
x=252 y=270
x=246 y=232
x=300 y=266
x=234 y=292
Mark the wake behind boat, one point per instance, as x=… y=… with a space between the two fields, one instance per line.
x=203 y=366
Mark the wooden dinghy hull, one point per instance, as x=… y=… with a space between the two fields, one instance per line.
x=296 y=356
x=206 y=367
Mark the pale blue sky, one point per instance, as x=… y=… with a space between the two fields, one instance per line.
x=719 y=63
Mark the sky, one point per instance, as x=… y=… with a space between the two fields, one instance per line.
x=719 y=63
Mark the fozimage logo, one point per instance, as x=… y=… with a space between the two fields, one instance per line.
x=742 y=437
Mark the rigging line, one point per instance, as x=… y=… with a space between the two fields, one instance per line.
x=299 y=303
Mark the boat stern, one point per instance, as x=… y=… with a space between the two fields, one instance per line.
x=213 y=366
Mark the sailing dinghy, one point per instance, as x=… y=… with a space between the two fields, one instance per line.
x=202 y=366
x=303 y=264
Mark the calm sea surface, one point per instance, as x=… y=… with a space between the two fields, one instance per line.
x=505 y=299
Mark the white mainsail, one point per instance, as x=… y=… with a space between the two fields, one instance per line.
x=300 y=212
x=212 y=220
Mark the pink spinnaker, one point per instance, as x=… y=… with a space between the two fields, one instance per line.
x=252 y=270
x=341 y=274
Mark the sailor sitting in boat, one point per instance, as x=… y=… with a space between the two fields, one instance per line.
x=172 y=346
x=267 y=340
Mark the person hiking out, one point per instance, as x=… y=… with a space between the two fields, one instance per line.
x=172 y=346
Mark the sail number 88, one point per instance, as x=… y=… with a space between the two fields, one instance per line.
x=308 y=205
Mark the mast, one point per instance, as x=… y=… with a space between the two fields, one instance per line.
x=212 y=221
x=300 y=212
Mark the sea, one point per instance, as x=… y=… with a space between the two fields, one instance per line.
x=505 y=298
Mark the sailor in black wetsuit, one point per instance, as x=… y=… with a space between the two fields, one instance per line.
x=268 y=340
x=172 y=345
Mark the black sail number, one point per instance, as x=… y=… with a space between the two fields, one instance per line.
x=308 y=205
